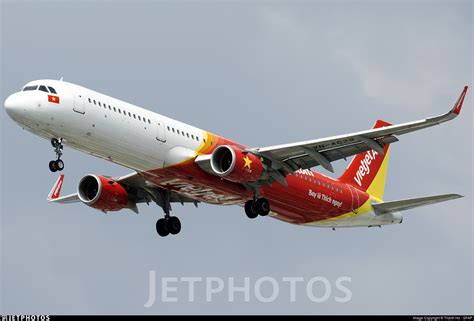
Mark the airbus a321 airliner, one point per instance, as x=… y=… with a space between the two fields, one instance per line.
x=174 y=162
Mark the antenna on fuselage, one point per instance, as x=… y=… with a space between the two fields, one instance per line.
x=61 y=79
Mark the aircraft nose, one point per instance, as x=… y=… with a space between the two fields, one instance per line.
x=12 y=103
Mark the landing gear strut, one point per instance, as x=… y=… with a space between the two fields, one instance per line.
x=168 y=224
x=58 y=164
x=259 y=206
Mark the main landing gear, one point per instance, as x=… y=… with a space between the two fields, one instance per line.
x=168 y=224
x=58 y=164
x=259 y=206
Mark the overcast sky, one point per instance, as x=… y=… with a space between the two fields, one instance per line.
x=262 y=74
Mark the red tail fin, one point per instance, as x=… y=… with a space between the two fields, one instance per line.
x=367 y=171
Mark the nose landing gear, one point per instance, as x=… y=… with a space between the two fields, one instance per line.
x=58 y=164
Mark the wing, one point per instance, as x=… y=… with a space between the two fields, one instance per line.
x=54 y=194
x=306 y=154
x=139 y=189
x=143 y=191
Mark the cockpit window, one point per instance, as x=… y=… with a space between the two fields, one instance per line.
x=41 y=87
x=51 y=89
x=30 y=88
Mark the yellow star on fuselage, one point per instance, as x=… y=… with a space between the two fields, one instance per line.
x=247 y=162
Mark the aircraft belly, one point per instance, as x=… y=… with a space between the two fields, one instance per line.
x=292 y=204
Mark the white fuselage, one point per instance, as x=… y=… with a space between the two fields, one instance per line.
x=134 y=137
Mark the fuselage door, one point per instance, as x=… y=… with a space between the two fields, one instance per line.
x=79 y=105
x=161 y=131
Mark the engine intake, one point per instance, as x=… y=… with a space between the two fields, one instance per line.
x=236 y=165
x=102 y=193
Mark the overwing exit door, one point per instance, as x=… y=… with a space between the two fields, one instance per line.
x=161 y=131
x=79 y=105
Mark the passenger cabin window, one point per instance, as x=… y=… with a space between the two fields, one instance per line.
x=53 y=91
x=94 y=102
x=90 y=101
x=28 y=88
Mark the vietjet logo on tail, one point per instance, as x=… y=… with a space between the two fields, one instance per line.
x=364 y=167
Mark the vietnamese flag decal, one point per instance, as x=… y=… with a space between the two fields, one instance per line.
x=53 y=99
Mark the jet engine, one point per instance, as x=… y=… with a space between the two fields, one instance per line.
x=102 y=193
x=236 y=165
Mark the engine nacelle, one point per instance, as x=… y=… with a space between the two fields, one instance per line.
x=102 y=193
x=233 y=164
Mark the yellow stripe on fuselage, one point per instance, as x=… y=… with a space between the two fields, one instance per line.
x=364 y=209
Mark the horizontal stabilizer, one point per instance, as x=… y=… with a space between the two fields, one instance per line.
x=407 y=204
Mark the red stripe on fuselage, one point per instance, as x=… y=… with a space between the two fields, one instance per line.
x=302 y=201
x=296 y=203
